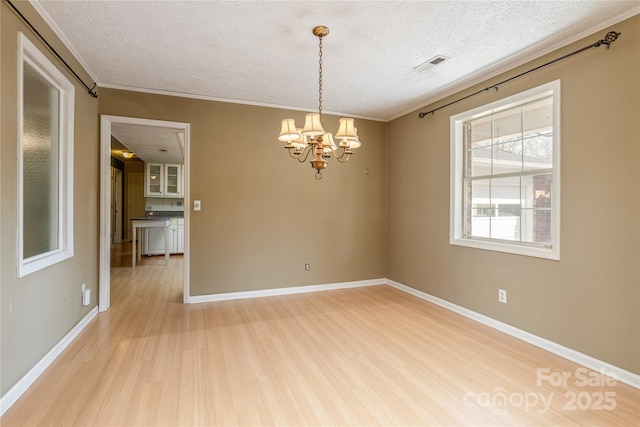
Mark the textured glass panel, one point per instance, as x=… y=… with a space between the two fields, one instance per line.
x=40 y=152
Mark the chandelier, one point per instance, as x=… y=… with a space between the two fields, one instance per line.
x=312 y=140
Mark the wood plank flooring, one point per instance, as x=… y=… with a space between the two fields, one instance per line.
x=365 y=356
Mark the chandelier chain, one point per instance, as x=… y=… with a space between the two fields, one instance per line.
x=320 y=82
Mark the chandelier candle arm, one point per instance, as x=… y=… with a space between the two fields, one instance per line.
x=312 y=139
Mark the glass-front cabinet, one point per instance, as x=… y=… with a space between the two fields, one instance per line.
x=173 y=180
x=153 y=180
x=163 y=180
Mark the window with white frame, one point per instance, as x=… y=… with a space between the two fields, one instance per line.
x=505 y=174
x=45 y=161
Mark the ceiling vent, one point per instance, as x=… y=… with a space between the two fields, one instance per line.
x=430 y=63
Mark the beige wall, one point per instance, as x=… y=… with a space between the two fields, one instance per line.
x=264 y=215
x=590 y=299
x=38 y=310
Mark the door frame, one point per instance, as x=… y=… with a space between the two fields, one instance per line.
x=104 y=300
x=117 y=205
x=129 y=234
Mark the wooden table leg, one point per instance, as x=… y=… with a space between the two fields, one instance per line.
x=134 y=243
x=166 y=245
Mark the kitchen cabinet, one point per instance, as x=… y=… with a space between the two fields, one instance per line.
x=180 y=236
x=173 y=180
x=154 y=238
x=153 y=180
x=163 y=180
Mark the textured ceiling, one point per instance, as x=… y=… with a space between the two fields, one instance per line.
x=150 y=143
x=264 y=53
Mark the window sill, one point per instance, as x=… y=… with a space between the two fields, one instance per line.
x=512 y=248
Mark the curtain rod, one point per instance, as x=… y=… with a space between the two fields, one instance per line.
x=90 y=90
x=608 y=39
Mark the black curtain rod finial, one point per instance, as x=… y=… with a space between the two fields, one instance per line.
x=611 y=37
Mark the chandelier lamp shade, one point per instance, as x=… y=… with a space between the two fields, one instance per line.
x=312 y=141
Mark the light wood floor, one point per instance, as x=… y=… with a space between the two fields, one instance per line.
x=366 y=356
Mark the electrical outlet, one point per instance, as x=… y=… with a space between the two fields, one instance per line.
x=307 y=267
x=502 y=296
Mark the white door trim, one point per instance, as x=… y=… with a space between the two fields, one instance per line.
x=104 y=301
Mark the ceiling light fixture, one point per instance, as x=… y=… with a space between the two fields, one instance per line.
x=127 y=154
x=313 y=138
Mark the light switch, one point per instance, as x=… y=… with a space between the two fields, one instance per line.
x=196 y=205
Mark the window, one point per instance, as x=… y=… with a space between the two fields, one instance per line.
x=45 y=161
x=505 y=175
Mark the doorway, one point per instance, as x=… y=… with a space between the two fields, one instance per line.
x=106 y=122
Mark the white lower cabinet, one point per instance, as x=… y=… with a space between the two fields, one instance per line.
x=154 y=238
x=180 y=239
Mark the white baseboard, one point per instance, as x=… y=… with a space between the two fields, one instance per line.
x=284 y=291
x=30 y=377
x=575 y=356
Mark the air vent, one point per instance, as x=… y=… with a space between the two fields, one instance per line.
x=430 y=63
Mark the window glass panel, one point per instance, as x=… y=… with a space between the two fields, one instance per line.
x=478 y=210
x=506 y=191
x=537 y=118
x=480 y=132
x=480 y=225
x=538 y=151
x=507 y=209
x=536 y=193
x=40 y=147
x=480 y=161
x=507 y=125
x=507 y=157
x=505 y=173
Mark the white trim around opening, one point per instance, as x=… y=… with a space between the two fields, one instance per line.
x=106 y=121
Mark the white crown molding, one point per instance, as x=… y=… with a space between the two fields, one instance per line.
x=619 y=374
x=233 y=101
x=511 y=63
x=10 y=397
